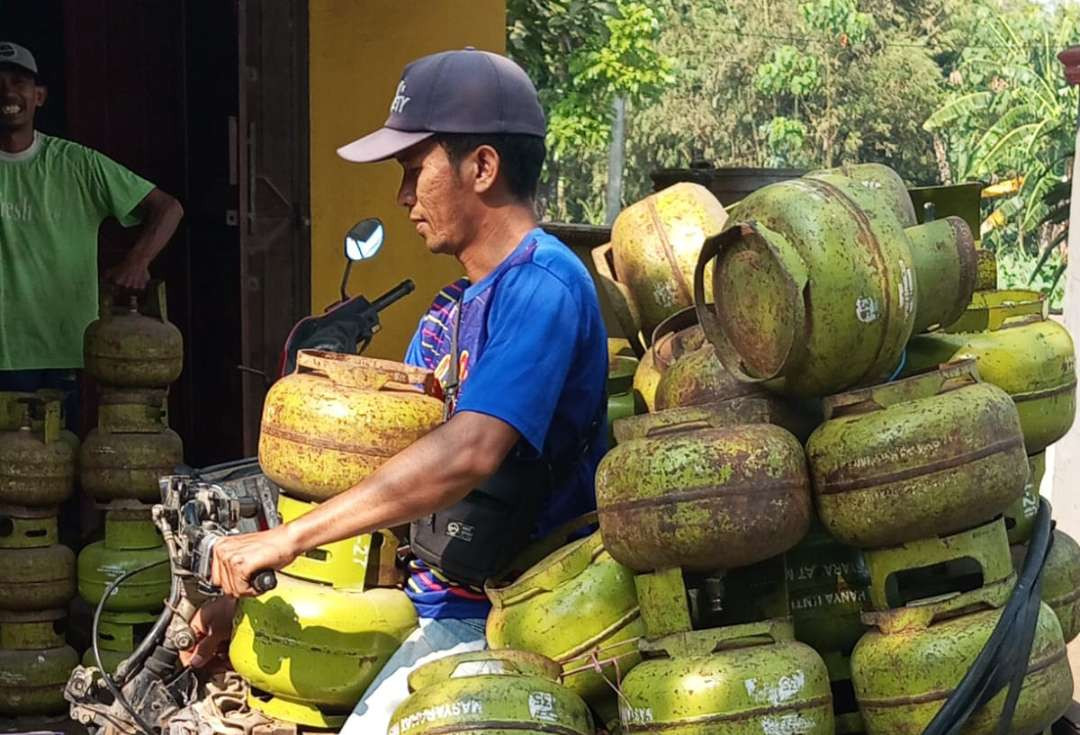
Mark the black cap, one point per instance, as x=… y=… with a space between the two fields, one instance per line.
x=465 y=91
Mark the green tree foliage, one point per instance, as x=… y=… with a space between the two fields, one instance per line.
x=1009 y=114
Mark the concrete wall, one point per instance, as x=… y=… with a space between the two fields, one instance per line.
x=358 y=48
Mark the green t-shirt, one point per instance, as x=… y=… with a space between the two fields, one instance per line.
x=53 y=198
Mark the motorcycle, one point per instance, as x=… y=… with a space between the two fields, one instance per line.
x=200 y=507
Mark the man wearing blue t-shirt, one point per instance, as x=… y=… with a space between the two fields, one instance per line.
x=518 y=345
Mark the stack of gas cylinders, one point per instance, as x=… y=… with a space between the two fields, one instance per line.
x=133 y=354
x=311 y=646
x=809 y=529
x=37 y=574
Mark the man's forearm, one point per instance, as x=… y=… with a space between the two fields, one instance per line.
x=162 y=215
x=433 y=473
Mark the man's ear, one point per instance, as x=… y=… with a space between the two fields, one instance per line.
x=41 y=93
x=487 y=163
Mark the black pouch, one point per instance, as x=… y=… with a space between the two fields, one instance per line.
x=479 y=537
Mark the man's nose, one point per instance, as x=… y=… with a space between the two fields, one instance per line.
x=406 y=196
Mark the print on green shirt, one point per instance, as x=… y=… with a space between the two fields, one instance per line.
x=53 y=198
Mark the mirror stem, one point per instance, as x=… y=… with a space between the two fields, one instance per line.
x=345 y=280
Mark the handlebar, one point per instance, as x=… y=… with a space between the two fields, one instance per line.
x=399 y=291
x=264 y=581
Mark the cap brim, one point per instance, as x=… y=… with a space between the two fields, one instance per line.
x=384 y=143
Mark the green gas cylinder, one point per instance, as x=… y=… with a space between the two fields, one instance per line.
x=905 y=668
x=36 y=578
x=35 y=663
x=740 y=679
x=620 y=391
x=133 y=345
x=131 y=541
x=310 y=650
x=1025 y=354
x=490 y=693
x=118 y=635
x=1060 y=581
x=126 y=466
x=687 y=493
x=927 y=455
x=819 y=285
x=37 y=463
x=1020 y=516
x=578 y=607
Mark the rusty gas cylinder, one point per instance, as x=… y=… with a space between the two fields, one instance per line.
x=818 y=286
x=986 y=268
x=128 y=348
x=676 y=336
x=339 y=417
x=904 y=670
x=36 y=578
x=1020 y=516
x=655 y=244
x=1030 y=357
x=928 y=455
x=35 y=663
x=578 y=607
x=880 y=178
x=696 y=492
x=126 y=466
x=752 y=678
x=494 y=692
x=1060 y=580
x=37 y=466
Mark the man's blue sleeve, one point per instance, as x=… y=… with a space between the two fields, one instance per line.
x=533 y=328
x=413 y=354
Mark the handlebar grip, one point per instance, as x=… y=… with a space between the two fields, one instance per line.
x=264 y=581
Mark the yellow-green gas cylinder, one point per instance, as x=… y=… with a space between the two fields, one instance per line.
x=343 y=564
x=904 y=669
x=126 y=466
x=740 y=679
x=1060 y=581
x=578 y=607
x=1027 y=355
x=1020 y=516
x=131 y=541
x=134 y=345
x=338 y=417
x=931 y=454
x=684 y=491
x=494 y=692
x=310 y=650
x=118 y=634
x=37 y=465
x=654 y=244
x=36 y=578
x=35 y=663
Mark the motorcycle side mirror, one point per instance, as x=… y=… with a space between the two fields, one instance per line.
x=362 y=241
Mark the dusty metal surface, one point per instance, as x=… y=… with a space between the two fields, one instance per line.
x=698 y=377
x=339 y=417
x=36 y=578
x=931 y=454
x=655 y=244
x=741 y=679
x=880 y=178
x=1029 y=357
x=1020 y=516
x=37 y=468
x=829 y=588
x=496 y=692
x=127 y=466
x=577 y=606
x=988 y=310
x=817 y=288
x=986 y=270
x=902 y=679
x=34 y=663
x=128 y=348
x=703 y=498
x=1060 y=581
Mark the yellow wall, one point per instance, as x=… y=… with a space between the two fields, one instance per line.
x=358 y=49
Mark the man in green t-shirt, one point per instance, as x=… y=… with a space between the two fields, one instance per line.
x=54 y=195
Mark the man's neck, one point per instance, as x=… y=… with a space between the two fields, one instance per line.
x=495 y=238
x=16 y=141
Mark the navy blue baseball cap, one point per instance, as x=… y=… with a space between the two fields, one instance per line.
x=466 y=91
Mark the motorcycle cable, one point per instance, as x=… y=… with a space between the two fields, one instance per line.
x=1003 y=661
x=140 y=723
